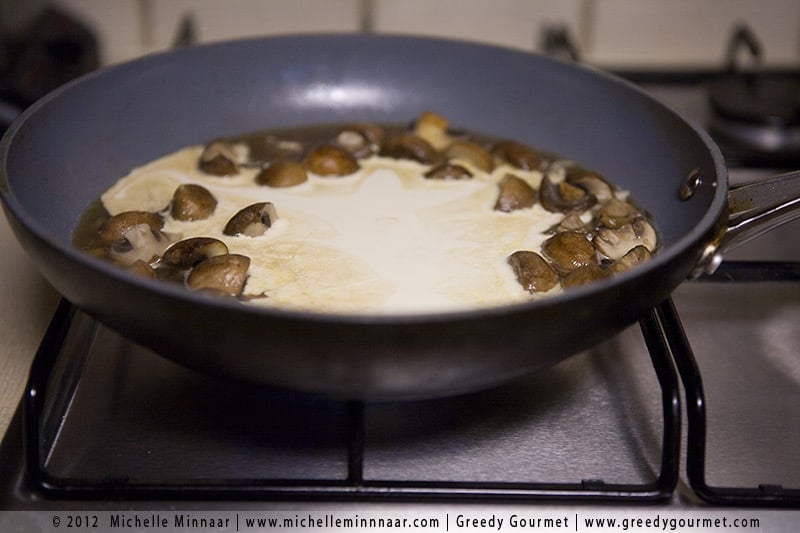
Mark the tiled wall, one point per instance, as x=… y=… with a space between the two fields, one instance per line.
x=605 y=32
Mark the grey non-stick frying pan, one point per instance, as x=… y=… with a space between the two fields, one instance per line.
x=74 y=143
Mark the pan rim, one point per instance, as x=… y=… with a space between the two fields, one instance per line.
x=687 y=242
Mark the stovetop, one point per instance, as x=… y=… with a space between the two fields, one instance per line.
x=697 y=404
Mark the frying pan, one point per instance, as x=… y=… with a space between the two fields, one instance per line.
x=68 y=147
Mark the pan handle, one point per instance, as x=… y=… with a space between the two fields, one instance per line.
x=754 y=209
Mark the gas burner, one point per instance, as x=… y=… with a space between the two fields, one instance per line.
x=755 y=113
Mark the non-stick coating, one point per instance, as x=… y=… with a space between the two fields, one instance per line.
x=67 y=148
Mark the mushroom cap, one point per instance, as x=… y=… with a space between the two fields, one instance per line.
x=533 y=272
x=115 y=227
x=518 y=155
x=218 y=159
x=189 y=252
x=569 y=250
x=222 y=273
x=282 y=174
x=330 y=160
x=448 y=171
x=192 y=202
x=515 y=193
x=252 y=221
x=409 y=146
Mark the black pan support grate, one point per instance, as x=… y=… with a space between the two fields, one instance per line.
x=765 y=494
x=53 y=381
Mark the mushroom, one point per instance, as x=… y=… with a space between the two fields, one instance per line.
x=253 y=220
x=115 y=227
x=282 y=174
x=569 y=250
x=192 y=202
x=585 y=274
x=570 y=222
x=138 y=243
x=533 y=272
x=226 y=274
x=614 y=243
x=448 y=171
x=409 y=146
x=636 y=255
x=189 y=252
x=471 y=153
x=218 y=159
x=515 y=193
x=615 y=213
x=517 y=155
x=361 y=139
x=432 y=127
x=563 y=197
x=330 y=160
x=591 y=182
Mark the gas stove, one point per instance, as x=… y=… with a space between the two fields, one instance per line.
x=696 y=405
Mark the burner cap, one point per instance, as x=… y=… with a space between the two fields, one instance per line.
x=765 y=99
x=758 y=113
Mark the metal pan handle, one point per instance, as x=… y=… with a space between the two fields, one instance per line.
x=754 y=209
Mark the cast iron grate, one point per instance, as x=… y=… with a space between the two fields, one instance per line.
x=44 y=412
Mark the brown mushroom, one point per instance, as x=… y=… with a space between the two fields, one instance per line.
x=115 y=227
x=585 y=274
x=138 y=243
x=361 y=139
x=563 y=197
x=592 y=182
x=141 y=268
x=515 y=193
x=569 y=250
x=517 y=155
x=226 y=274
x=282 y=174
x=635 y=256
x=189 y=252
x=533 y=272
x=330 y=160
x=192 y=202
x=432 y=127
x=409 y=146
x=218 y=159
x=252 y=221
x=448 y=171
x=614 y=243
x=615 y=213
x=471 y=153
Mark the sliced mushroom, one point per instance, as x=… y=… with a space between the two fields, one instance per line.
x=517 y=155
x=361 y=139
x=218 y=159
x=192 y=202
x=614 y=243
x=115 y=227
x=569 y=250
x=615 y=213
x=533 y=272
x=515 y=193
x=330 y=160
x=432 y=127
x=637 y=255
x=571 y=222
x=252 y=221
x=591 y=182
x=585 y=274
x=448 y=171
x=189 y=252
x=409 y=146
x=221 y=273
x=472 y=153
x=138 y=243
x=282 y=174
x=563 y=197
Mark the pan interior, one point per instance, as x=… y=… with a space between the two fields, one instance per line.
x=76 y=142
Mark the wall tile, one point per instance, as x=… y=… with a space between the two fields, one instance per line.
x=514 y=23
x=681 y=32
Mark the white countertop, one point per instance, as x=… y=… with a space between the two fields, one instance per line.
x=27 y=303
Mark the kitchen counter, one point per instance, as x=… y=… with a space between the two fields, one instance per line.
x=27 y=303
